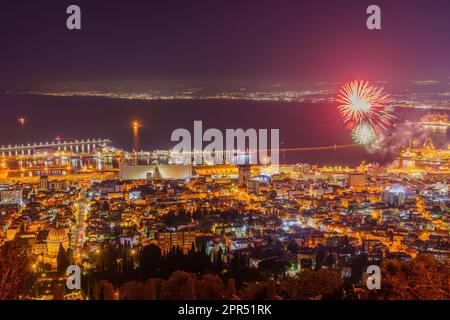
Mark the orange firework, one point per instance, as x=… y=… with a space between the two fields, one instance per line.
x=360 y=102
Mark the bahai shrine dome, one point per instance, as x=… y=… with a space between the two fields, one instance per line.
x=55 y=238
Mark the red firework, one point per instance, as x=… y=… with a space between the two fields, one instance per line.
x=360 y=102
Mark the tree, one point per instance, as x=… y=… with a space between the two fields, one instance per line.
x=62 y=260
x=150 y=261
x=180 y=286
x=358 y=265
x=272 y=288
x=261 y=291
x=105 y=291
x=320 y=256
x=255 y=291
x=58 y=292
x=13 y=272
x=323 y=284
x=247 y=275
x=150 y=289
x=329 y=261
x=133 y=291
x=231 y=292
x=293 y=247
x=209 y=287
x=276 y=267
x=423 y=278
x=218 y=259
x=348 y=291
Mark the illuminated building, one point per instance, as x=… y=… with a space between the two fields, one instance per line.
x=58 y=158
x=76 y=146
x=435 y=121
x=58 y=185
x=134 y=195
x=425 y=158
x=244 y=174
x=253 y=186
x=43 y=183
x=48 y=242
x=394 y=195
x=155 y=172
x=183 y=239
x=218 y=170
x=11 y=196
x=12 y=231
x=357 y=180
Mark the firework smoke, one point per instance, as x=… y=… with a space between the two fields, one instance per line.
x=392 y=141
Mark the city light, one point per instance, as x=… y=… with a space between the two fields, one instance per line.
x=241 y=155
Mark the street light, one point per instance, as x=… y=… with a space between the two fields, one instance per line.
x=136 y=124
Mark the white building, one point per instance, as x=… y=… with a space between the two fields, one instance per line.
x=155 y=172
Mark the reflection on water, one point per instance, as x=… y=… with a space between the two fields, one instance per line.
x=301 y=124
x=61 y=165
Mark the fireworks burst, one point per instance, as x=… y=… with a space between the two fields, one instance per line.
x=364 y=134
x=362 y=103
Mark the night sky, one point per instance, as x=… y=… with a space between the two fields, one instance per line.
x=137 y=43
x=179 y=40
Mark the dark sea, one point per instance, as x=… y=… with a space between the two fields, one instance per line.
x=301 y=124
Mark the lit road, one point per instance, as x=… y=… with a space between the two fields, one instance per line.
x=333 y=147
x=318 y=148
x=425 y=107
x=82 y=208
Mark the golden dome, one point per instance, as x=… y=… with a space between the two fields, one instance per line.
x=57 y=236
